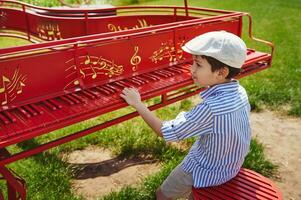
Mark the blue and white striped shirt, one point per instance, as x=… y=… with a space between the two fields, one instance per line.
x=221 y=124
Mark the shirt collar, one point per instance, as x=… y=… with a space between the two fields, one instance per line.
x=219 y=88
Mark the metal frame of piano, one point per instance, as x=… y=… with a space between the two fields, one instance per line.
x=88 y=57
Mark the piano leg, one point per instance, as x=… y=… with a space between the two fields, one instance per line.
x=16 y=189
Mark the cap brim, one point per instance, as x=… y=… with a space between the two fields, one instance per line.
x=187 y=50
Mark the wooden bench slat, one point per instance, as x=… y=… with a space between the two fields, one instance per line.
x=254 y=184
x=245 y=190
x=225 y=194
x=247 y=185
x=211 y=194
x=242 y=192
x=206 y=195
x=251 y=176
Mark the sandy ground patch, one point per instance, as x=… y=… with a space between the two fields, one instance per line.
x=100 y=173
x=281 y=136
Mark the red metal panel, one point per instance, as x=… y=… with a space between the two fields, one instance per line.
x=52 y=28
x=33 y=77
x=120 y=23
x=12 y=19
x=200 y=28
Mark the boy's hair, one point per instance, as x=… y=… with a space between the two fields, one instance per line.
x=216 y=65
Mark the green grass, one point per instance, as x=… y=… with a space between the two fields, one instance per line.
x=6 y=42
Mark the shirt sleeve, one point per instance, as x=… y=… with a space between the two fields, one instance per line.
x=187 y=124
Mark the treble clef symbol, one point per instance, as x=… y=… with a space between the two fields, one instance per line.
x=135 y=60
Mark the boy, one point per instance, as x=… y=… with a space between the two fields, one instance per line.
x=220 y=122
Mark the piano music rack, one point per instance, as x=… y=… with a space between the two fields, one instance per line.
x=81 y=59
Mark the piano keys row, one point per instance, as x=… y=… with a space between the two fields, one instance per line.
x=44 y=113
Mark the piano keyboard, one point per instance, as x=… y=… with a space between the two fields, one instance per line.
x=28 y=121
x=51 y=114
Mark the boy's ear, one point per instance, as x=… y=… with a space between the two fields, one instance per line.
x=223 y=72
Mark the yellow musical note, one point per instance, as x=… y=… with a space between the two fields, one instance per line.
x=83 y=73
x=103 y=65
x=5 y=101
x=50 y=33
x=96 y=62
x=76 y=82
x=135 y=60
x=88 y=60
x=94 y=73
x=19 y=91
x=4 y=79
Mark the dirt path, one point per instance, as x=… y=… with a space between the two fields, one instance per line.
x=101 y=173
x=282 y=139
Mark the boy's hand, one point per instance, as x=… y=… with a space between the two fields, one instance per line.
x=131 y=96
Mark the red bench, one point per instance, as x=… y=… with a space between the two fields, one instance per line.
x=247 y=185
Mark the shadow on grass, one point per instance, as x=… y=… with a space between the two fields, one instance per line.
x=107 y=167
x=43 y=157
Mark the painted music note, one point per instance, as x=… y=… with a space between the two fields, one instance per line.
x=92 y=67
x=4 y=79
x=19 y=89
x=88 y=60
x=94 y=73
x=135 y=60
x=5 y=101
x=168 y=51
x=82 y=73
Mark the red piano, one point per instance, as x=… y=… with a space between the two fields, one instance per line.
x=81 y=59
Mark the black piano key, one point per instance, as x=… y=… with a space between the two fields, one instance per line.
x=87 y=94
x=94 y=92
x=30 y=110
x=129 y=83
x=77 y=97
x=134 y=82
x=167 y=72
x=149 y=77
x=36 y=108
x=110 y=88
x=103 y=90
x=138 y=79
x=160 y=74
x=142 y=79
x=24 y=112
x=56 y=104
x=125 y=84
x=66 y=100
x=119 y=84
x=155 y=76
x=72 y=98
x=4 y=119
x=10 y=116
x=49 y=105
x=174 y=69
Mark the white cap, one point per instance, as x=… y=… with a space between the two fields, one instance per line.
x=221 y=45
